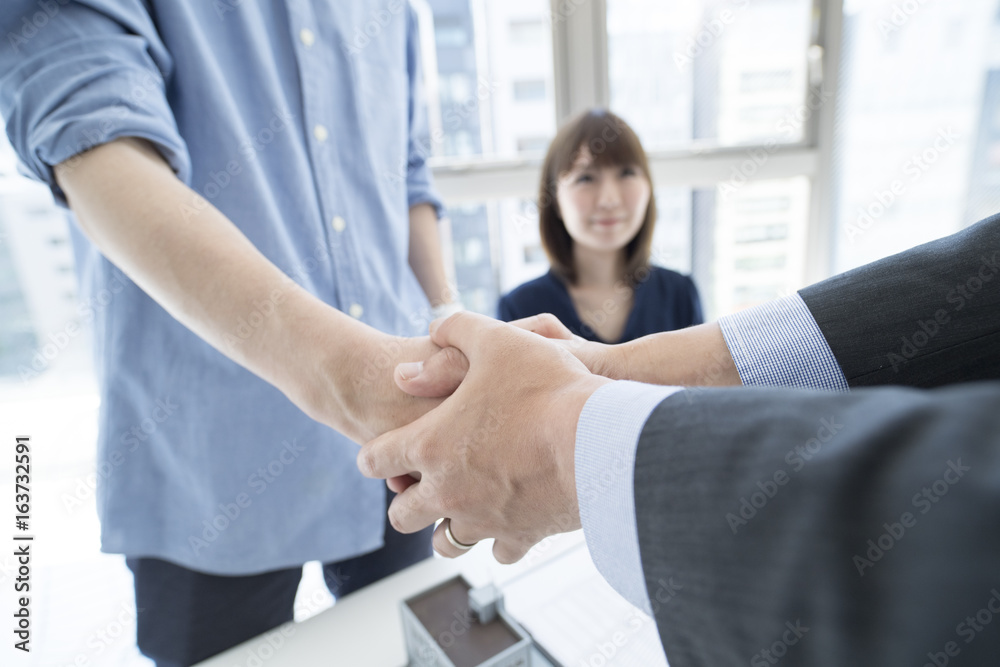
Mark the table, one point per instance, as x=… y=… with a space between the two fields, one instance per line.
x=365 y=628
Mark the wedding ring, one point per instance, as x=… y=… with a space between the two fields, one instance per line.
x=451 y=538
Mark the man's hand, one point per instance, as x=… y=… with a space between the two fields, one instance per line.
x=696 y=356
x=355 y=392
x=611 y=361
x=206 y=273
x=497 y=456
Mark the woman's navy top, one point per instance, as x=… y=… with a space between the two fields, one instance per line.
x=665 y=301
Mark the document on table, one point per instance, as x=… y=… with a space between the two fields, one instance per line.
x=575 y=616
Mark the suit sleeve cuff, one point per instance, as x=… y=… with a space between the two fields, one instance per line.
x=779 y=344
x=607 y=436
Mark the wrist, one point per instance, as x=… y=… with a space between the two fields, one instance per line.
x=617 y=361
x=326 y=354
x=562 y=419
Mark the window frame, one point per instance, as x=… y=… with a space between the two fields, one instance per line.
x=580 y=72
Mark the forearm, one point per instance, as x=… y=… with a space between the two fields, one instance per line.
x=197 y=265
x=696 y=356
x=425 y=256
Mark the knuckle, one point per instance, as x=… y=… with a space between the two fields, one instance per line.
x=395 y=520
x=455 y=358
x=448 y=500
x=366 y=462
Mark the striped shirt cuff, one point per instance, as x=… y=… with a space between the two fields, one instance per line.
x=607 y=436
x=779 y=344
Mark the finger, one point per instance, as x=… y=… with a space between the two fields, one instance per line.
x=463 y=330
x=413 y=509
x=545 y=324
x=509 y=552
x=436 y=377
x=443 y=545
x=391 y=454
x=401 y=483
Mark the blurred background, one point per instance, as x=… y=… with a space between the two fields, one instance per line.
x=777 y=130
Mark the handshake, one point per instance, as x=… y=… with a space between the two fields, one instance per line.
x=495 y=455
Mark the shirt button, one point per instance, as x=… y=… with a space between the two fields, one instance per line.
x=307 y=37
x=339 y=224
x=320 y=133
x=356 y=311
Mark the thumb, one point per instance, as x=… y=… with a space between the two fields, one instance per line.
x=436 y=377
x=464 y=330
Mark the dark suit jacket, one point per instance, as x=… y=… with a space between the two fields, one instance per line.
x=779 y=526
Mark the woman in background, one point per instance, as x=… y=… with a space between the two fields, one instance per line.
x=597 y=213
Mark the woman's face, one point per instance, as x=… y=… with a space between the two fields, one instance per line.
x=602 y=208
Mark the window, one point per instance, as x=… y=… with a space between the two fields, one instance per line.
x=451 y=32
x=528 y=32
x=529 y=91
x=706 y=84
x=532 y=144
x=917 y=143
x=505 y=58
x=750 y=243
x=722 y=72
x=755 y=82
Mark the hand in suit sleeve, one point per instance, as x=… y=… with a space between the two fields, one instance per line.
x=926 y=317
x=840 y=528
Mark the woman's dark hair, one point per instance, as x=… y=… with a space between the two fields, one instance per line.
x=611 y=142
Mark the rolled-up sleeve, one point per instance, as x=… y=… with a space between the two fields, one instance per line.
x=74 y=75
x=419 y=188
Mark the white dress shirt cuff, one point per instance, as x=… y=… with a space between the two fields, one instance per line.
x=607 y=437
x=779 y=344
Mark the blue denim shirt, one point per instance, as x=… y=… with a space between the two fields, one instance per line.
x=303 y=122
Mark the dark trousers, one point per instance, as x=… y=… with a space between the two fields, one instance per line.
x=186 y=616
